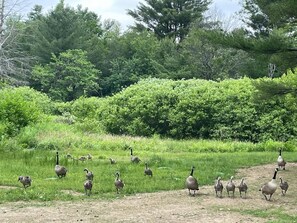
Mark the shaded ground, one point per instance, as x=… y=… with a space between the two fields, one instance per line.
x=171 y=206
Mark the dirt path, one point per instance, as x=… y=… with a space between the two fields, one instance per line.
x=171 y=206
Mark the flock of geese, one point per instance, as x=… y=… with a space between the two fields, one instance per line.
x=191 y=183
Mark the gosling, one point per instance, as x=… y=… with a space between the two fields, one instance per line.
x=61 y=171
x=230 y=187
x=148 y=171
x=26 y=181
x=89 y=174
x=242 y=187
x=112 y=161
x=88 y=185
x=191 y=182
x=118 y=183
x=270 y=187
x=284 y=186
x=218 y=187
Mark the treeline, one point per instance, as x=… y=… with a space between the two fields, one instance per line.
x=183 y=109
x=69 y=52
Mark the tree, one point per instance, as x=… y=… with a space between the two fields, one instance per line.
x=68 y=77
x=14 y=63
x=168 y=18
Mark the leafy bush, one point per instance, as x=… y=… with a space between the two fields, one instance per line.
x=20 y=107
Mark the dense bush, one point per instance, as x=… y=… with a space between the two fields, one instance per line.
x=224 y=110
x=20 y=107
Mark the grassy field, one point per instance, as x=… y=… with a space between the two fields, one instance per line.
x=170 y=161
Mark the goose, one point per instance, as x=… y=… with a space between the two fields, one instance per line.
x=230 y=186
x=134 y=159
x=89 y=174
x=148 y=171
x=88 y=185
x=112 y=161
x=26 y=181
x=284 y=186
x=270 y=187
x=280 y=161
x=191 y=182
x=218 y=187
x=89 y=157
x=82 y=158
x=60 y=170
x=119 y=184
x=242 y=187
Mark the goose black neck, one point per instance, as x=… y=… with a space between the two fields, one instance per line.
x=131 y=152
x=192 y=171
x=57 y=159
x=280 y=152
x=274 y=176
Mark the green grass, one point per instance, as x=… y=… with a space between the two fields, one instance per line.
x=272 y=216
x=169 y=168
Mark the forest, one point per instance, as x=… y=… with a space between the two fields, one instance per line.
x=178 y=72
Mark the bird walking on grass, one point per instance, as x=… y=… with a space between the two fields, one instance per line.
x=269 y=188
x=25 y=180
x=192 y=183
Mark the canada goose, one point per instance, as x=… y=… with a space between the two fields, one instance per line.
x=134 y=159
x=242 y=187
x=89 y=174
x=88 y=187
x=89 y=157
x=218 y=187
x=191 y=182
x=69 y=156
x=26 y=181
x=112 y=161
x=148 y=171
x=280 y=161
x=119 y=184
x=82 y=158
x=284 y=186
x=270 y=187
x=60 y=170
x=230 y=186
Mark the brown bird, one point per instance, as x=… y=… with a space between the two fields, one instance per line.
x=134 y=159
x=218 y=187
x=191 y=182
x=242 y=187
x=280 y=161
x=284 y=186
x=60 y=170
x=26 y=181
x=89 y=174
x=148 y=171
x=119 y=184
x=270 y=187
x=88 y=185
x=230 y=186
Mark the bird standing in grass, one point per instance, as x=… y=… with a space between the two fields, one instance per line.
x=88 y=185
x=148 y=171
x=112 y=161
x=218 y=187
x=89 y=174
x=191 y=182
x=230 y=187
x=119 y=184
x=270 y=187
x=280 y=161
x=60 y=170
x=242 y=187
x=284 y=186
x=25 y=180
x=134 y=159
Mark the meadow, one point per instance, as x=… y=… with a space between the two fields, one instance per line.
x=170 y=160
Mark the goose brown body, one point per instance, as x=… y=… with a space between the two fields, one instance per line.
x=148 y=171
x=118 y=183
x=284 y=186
x=25 y=180
x=192 y=183
x=218 y=187
x=89 y=174
x=242 y=187
x=88 y=185
x=61 y=171
x=269 y=188
x=280 y=161
x=134 y=159
x=230 y=187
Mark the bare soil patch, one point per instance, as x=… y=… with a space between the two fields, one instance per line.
x=169 y=206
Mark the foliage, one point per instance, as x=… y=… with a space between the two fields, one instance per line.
x=68 y=77
x=20 y=107
x=168 y=18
